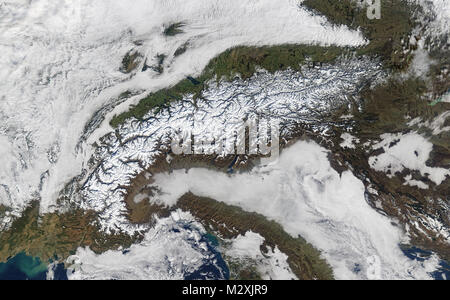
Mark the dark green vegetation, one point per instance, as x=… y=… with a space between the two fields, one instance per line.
x=245 y=60
x=173 y=29
x=240 y=270
x=440 y=72
x=3 y=210
x=388 y=108
x=383 y=110
x=239 y=60
x=181 y=49
x=56 y=235
x=230 y=221
x=385 y=106
x=218 y=218
x=159 y=67
x=388 y=36
x=130 y=61
x=158 y=100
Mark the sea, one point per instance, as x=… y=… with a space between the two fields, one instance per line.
x=24 y=267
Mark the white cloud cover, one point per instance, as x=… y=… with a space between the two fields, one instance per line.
x=60 y=62
x=348 y=141
x=272 y=265
x=309 y=198
x=287 y=97
x=406 y=151
x=172 y=249
x=441 y=22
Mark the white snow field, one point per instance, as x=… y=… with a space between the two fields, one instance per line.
x=301 y=191
x=288 y=97
x=60 y=62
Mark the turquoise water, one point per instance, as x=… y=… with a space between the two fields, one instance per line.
x=212 y=239
x=23 y=267
x=440 y=99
